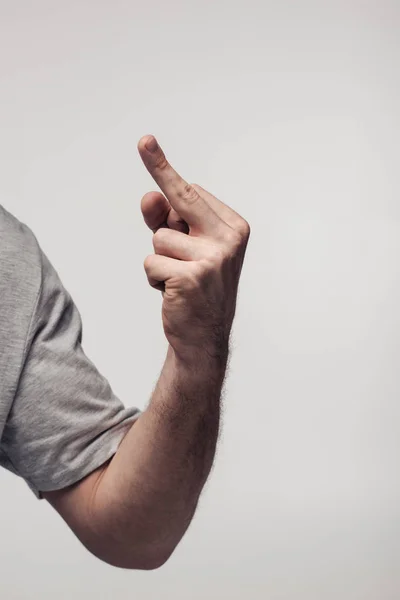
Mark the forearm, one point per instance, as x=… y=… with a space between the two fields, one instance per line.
x=145 y=499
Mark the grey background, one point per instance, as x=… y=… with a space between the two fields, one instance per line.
x=289 y=112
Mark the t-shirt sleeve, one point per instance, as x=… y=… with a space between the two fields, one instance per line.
x=65 y=421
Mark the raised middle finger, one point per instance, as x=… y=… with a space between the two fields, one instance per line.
x=182 y=196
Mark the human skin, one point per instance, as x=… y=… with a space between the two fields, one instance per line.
x=134 y=510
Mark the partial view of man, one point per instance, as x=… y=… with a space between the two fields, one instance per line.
x=126 y=482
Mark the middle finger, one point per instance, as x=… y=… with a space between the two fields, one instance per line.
x=197 y=213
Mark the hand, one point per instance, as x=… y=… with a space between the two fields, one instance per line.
x=199 y=245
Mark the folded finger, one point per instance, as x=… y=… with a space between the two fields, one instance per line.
x=176 y=244
x=155 y=209
x=161 y=268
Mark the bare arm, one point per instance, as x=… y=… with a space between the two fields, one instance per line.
x=133 y=511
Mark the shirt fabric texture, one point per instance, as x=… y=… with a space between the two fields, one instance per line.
x=59 y=418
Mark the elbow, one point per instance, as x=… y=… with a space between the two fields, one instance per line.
x=132 y=558
x=136 y=564
x=157 y=561
x=126 y=543
x=144 y=563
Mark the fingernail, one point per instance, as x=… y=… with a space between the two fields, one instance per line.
x=151 y=144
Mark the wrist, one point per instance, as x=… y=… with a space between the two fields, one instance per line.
x=188 y=381
x=200 y=361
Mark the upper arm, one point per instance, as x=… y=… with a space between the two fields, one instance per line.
x=64 y=421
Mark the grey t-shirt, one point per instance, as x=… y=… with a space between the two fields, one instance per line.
x=59 y=418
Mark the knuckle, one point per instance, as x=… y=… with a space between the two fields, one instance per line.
x=233 y=238
x=148 y=262
x=195 y=275
x=161 y=162
x=159 y=236
x=189 y=194
x=200 y=272
x=217 y=254
x=190 y=282
x=244 y=229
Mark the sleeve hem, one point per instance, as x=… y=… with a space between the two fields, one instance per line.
x=108 y=448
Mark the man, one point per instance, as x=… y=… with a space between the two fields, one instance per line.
x=126 y=482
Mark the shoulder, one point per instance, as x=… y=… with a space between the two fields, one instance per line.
x=20 y=260
x=20 y=284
